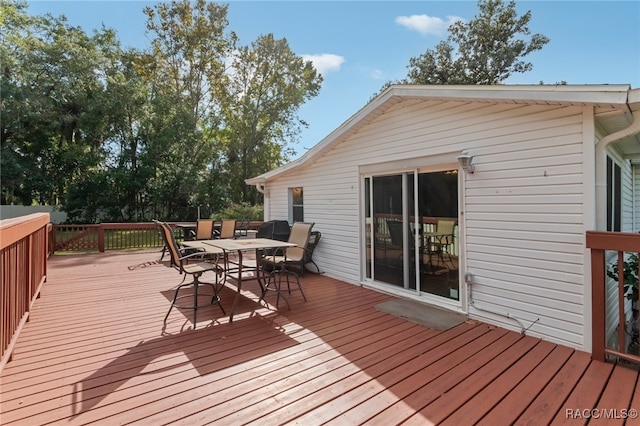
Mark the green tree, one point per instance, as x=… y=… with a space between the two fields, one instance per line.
x=185 y=70
x=53 y=118
x=134 y=135
x=486 y=50
x=267 y=84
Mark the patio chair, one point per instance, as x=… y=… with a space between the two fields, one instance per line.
x=242 y=228
x=228 y=228
x=314 y=239
x=283 y=264
x=180 y=259
x=204 y=229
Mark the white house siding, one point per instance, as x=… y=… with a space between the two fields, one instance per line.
x=627 y=225
x=636 y=197
x=524 y=223
x=523 y=219
x=330 y=201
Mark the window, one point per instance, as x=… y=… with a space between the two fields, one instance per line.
x=614 y=196
x=296 y=204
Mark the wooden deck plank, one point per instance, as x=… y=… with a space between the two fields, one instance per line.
x=476 y=379
x=585 y=394
x=346 y=358
x=634 y=407
x=95 y=351
x=419 y=397
x=485 y=400
x=252 y=350
x=616 y=398
x=550 y=383
x=402 y=380
x=339 y=396
x=250 y=387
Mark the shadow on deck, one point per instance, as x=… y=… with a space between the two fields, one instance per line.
x=95 y=351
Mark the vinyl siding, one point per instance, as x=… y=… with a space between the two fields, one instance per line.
x=627 y=225
x=636 y=197
x=523 y=218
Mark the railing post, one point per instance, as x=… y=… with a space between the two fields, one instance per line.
x=600 y=242
x=100 y=238
x=597 y=304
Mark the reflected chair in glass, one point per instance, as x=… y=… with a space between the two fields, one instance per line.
x=283 y=263
x=445 y=231
x=394 y=249
x=192 y=263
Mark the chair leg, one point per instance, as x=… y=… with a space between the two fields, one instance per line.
x=215 y=298
x=173 y=302
x=288 y=272
x=277 y=287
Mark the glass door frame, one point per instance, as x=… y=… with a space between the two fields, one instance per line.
x=406 y=289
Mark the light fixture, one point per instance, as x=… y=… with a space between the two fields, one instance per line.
x=465 y=162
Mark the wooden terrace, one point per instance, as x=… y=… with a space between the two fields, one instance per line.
x=95 y=352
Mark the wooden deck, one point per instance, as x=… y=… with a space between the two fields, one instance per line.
x=95 y=351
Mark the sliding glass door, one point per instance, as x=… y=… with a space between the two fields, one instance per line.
x=411 y=238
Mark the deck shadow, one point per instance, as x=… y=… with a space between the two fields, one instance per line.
x=208 y=350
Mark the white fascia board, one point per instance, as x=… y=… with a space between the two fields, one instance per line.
x=615 y=94
x=634 y=99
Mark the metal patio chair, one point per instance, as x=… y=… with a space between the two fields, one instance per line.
x=180 y=260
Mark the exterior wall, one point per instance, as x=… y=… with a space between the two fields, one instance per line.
x=627 y=225
x=523 y=221
x=635 y=173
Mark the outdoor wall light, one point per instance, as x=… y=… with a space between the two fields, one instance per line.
x=465 y=162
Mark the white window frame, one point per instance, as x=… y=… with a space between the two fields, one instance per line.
x=293 y=206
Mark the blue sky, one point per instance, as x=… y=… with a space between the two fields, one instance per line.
x=359 y=45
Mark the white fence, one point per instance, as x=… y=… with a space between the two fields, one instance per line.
x=57 y=216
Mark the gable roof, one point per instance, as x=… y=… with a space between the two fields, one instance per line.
x=613 y=104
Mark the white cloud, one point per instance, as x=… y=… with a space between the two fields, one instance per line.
x=425 y=24
x=325 y=62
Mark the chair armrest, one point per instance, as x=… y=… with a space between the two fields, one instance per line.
x=197 y=253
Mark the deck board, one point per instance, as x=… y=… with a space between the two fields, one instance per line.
x=95 y=351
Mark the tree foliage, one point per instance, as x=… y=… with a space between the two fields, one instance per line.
x=485 y=50
x=269 y=83
x=127 y=135
x=53 y=118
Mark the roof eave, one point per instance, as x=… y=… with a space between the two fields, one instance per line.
x=610 y=95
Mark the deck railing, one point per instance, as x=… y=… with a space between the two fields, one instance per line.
x=624 y=244
x=113 y=236
x=23 y=259
x=107 y=236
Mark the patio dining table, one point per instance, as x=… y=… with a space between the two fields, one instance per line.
x=240 y=246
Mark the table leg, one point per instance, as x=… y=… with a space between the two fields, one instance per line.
x=259 y=271
x=239 y=289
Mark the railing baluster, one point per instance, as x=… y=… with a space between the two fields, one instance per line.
x=23 y=257
x=621 y=317
x=620 y=242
